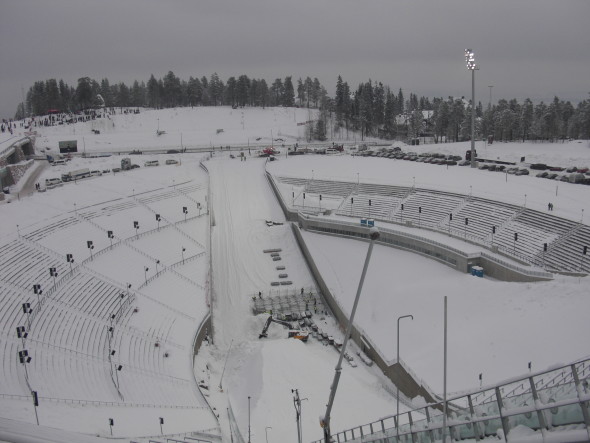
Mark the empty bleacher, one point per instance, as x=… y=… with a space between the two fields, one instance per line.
x=482 y=215
x=433 y=210
x=428 y=208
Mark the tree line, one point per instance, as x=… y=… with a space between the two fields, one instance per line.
x=372 y=109
x=169 y=91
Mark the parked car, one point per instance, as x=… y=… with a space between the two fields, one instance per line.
x=540 y=166
x=522 y=171
x=464 y=163
x=552 y=176
x=95 y=173
x=542 y=174
x=171 y=161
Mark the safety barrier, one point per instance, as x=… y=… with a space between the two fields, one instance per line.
x=543 y=409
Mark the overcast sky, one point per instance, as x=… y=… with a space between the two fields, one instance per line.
x=525 y=48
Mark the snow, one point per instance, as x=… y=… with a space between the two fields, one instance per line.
x=495 y=327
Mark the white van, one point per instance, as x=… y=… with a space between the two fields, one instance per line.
x=58 y=162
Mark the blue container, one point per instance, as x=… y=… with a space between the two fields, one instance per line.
x=477 y=271
x=363 y=222
x=370 y=223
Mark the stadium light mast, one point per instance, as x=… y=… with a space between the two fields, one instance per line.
x=470 y=60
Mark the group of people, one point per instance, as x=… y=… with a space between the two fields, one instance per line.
x=550 y=206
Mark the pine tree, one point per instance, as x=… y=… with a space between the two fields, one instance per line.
x=300 y=91
x=262 y=93
x=230 y=91
x=378 y=104
x=308 y=88
x=84 y=92
x=242 y=90
x=276 y=91
x=153 y=93
x=316 y=92
x=400 y=102
x=288 y=93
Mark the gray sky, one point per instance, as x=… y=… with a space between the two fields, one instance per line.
x=526 y=48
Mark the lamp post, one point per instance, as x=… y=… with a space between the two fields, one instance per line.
x=266 y=432
x=325 y=420
x=146 y=269
x=397 y=385
x=249 y=441
x=183 y=249
x=470 y=60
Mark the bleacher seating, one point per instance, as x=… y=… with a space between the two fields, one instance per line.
x=435 y=206
x=69 y=340
x=565 y=238
x=482 y=215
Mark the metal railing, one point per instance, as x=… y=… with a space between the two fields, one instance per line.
x=539 y=407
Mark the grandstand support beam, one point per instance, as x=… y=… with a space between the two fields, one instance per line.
x=325 y=420
x=540 y=415
x=476 y=429
x=503 y=420
x=583 y=404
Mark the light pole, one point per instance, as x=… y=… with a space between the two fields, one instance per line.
x=325 y=420
x=249 y=441
x=146 y=269
x=470 y=60
x=266 y=432
x=397 y=385
x=183 y=249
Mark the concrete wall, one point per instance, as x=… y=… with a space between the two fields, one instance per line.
x=15 y=172
x=396 y=372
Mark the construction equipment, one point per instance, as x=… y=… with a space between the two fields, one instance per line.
x=293 y=333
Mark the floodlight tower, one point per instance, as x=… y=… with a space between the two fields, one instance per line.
x=470 y=60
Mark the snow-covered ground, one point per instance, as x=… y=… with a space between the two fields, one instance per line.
x=495 y=328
